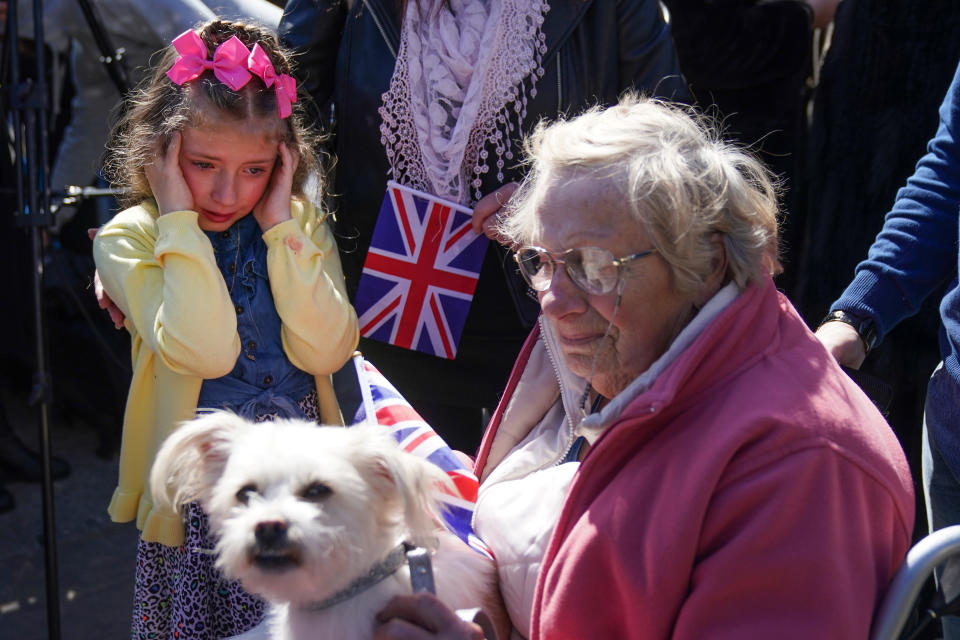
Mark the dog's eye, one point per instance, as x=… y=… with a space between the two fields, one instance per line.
x=247 y=490
x=315 y=491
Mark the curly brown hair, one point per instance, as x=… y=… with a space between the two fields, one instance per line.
x=159 y=107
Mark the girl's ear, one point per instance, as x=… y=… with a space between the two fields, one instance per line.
x=192 y=459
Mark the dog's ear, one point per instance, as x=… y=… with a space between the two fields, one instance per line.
x=192 y=459
x=415 y=482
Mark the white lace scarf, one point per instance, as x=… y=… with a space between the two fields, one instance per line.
x=463 y=73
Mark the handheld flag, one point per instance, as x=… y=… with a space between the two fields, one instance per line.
x=420 y=272
x=379 y=402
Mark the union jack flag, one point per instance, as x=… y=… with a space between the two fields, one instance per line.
x=420 y=272
x=382 y=404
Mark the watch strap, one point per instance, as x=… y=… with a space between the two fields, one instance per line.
x=864 y=326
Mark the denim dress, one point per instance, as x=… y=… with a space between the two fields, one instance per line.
x=263 y=383
x=179 y=593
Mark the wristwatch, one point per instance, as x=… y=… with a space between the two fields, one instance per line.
x=863 y=326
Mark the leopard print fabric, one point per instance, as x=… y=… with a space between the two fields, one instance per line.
x=309 y=404
x=180 y=595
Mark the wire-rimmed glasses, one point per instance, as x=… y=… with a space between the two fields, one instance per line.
x=594 y=269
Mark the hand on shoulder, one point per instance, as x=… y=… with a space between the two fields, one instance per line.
x=103 y=300
x=843 y=342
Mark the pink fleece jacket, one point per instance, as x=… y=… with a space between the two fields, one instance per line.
x=752 y=491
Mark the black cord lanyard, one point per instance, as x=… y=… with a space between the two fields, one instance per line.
x=111 y=57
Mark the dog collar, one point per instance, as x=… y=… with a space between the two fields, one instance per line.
x=377 y=573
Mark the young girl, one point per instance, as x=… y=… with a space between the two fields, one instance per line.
x=231 y=287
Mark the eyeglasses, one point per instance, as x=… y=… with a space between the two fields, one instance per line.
x=594 y=269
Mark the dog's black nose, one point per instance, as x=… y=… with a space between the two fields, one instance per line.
x=271 y=532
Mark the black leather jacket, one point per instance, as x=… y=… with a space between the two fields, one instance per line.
x=596 y=49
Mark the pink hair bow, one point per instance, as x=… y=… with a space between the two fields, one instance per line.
x=286 y=86
x=229 y=62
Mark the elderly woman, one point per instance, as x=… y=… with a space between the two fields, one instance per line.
x=675 y=455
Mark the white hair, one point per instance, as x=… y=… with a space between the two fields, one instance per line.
x=674 y=175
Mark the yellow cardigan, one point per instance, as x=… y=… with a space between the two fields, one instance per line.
x=161 y=272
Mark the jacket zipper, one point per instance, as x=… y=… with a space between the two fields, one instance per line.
x=559 y=85
x=556 y=372
x=379 y=25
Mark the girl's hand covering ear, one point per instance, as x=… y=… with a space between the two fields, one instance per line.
x=274 y=206
x=166 y=179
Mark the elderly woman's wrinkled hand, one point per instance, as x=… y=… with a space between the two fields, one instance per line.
x=488 y=212
x=422 y=616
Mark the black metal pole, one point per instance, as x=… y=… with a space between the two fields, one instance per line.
x=29 y=112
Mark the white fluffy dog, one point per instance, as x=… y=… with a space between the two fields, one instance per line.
x=304 y=512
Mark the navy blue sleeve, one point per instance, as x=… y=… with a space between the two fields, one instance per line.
x=917 y=250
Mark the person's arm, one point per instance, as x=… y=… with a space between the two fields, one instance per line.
x=916 y=251
x=320 y=328
x=162 y=275
x=312 y=29
x=843 y=342
x=800 y=547
x=647 y=57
